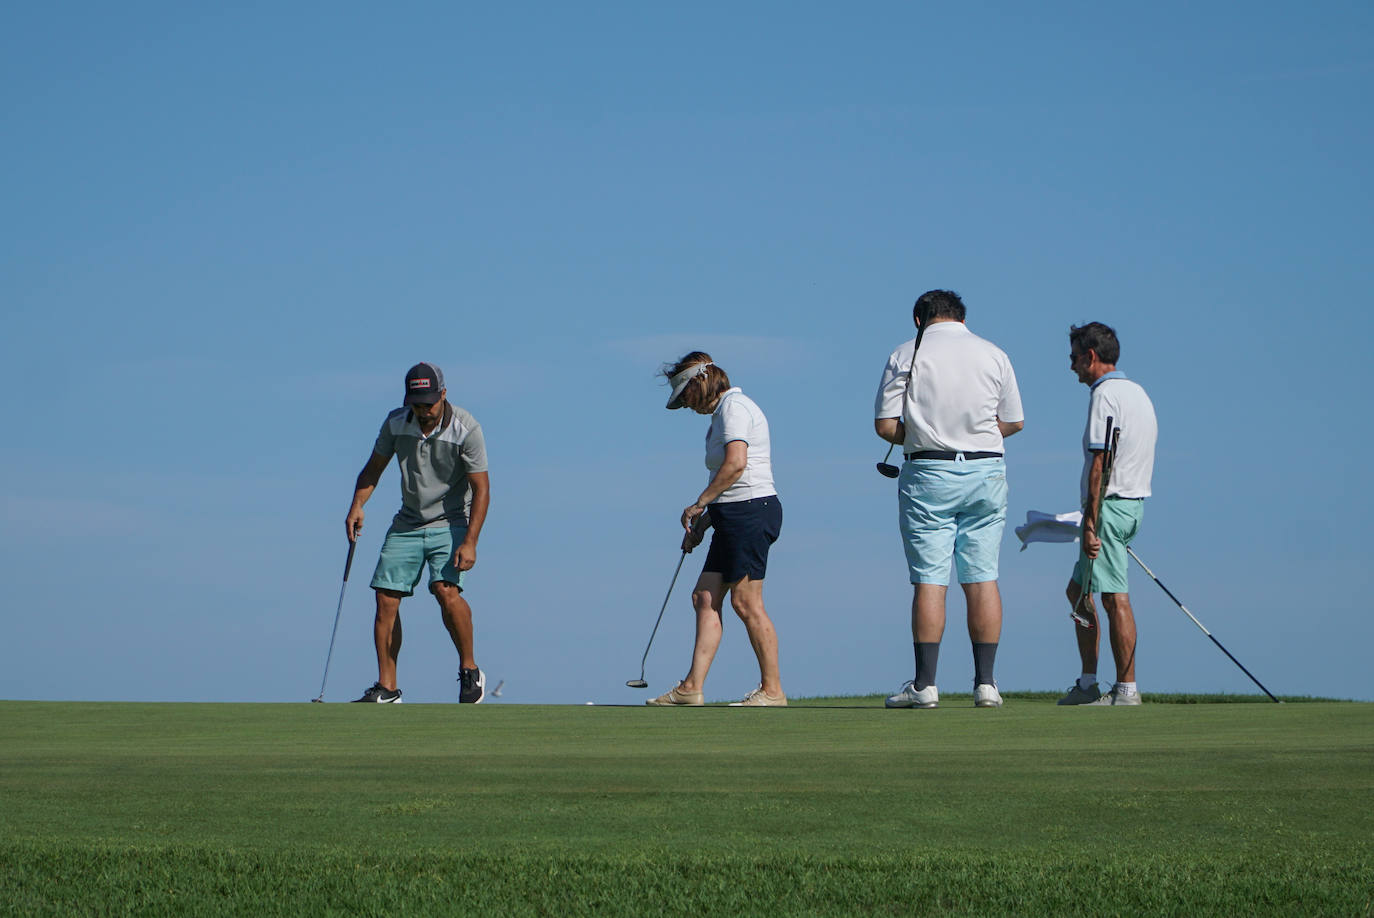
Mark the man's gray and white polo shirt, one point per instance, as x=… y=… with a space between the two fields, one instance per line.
x=434 y=469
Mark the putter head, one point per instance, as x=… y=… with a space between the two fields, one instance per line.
x=888 y=471
x=637 y=683
x=317 y=701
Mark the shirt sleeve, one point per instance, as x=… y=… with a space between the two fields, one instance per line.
x=475 y=450
x=891 y=388
x=1099 y=409
x=1009 y=405
x=735 y=422
x=386 y=441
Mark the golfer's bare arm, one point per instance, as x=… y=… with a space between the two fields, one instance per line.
x=1009 y=427
x=1093 y=506
x=465 y=555
x=890 y=429
x=736 y=458
x=362 y=490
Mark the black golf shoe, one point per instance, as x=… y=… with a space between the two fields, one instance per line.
x=472 y=686
x=378 y=695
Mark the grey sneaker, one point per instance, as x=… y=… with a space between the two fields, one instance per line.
x=1116 y=697
x=987 y=696
x=1078 y=695
x=908 y=696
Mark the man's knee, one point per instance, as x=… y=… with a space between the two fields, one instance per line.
x=388 y=603
x=449 y=596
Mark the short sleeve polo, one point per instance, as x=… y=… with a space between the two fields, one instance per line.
x=435 y=490
x=962 y=386
x=738 y=418
x=1126 y=403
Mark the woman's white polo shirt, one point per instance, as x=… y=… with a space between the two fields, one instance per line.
x=737 y=418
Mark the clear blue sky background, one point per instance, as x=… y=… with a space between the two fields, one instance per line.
x=228 y=232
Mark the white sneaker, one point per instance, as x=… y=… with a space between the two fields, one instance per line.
x=987 y=696
x=1116 y=697
x=909 y=697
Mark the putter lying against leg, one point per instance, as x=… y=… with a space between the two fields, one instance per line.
x=1085 y=598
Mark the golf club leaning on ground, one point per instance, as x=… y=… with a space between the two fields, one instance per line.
x=699 y=526
x=352 y=544
x=1170 y=594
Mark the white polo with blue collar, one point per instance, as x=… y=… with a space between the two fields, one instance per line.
x=1125 y=402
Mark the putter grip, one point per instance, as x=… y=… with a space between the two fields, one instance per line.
x=348 y=565
x=701 y=523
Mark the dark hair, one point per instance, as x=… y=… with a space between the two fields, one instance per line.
x=1096 y=337
x=939 y=304
x=704 y=389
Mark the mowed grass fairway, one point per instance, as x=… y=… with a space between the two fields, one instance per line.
x=840 y=807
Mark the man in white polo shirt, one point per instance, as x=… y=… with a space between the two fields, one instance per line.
x=950 y=404
x=1109 y=528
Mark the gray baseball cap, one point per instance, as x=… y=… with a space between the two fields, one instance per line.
x=424 y=382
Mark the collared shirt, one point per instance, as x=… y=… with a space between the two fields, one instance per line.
x=962 y=386
x=737 y=418
x=1125 y=402
x=434 y=469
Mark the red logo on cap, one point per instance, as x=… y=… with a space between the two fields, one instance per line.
x=419 y=384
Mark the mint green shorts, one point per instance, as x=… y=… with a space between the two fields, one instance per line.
x=405 y=554
x=1120 y=522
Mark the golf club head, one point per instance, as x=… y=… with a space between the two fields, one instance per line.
x=637 y=683
x=888 y=471
x=317 y=701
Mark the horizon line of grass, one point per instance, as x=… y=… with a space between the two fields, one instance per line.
x=865 y=700
x=1054 y=696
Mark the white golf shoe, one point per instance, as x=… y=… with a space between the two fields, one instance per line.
x=987 y=696
x=908 y=696
x=1116 y=697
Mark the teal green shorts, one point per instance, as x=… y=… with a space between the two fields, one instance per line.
x=1120 y=522
x=405 y=554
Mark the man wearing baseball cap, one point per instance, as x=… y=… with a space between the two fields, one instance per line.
x=444 y=497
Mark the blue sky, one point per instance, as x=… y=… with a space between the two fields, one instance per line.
x=229 y=232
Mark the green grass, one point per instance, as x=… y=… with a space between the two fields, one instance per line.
x=831 y=807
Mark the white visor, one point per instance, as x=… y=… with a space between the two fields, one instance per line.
x=680 y=381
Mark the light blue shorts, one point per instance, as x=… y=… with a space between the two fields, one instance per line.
x=405 y=554
x=1121 y=520
x=952 y=508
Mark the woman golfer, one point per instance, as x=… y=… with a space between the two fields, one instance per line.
x=747 y=517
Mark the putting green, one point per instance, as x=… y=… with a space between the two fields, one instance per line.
x=1173 y=807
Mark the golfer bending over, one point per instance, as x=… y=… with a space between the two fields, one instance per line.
x=747 y=517
x=444 y=496
x=1108 y=529
x=950 y=404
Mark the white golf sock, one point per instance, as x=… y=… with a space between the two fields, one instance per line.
x=1087 y=681
x=1125 y=688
